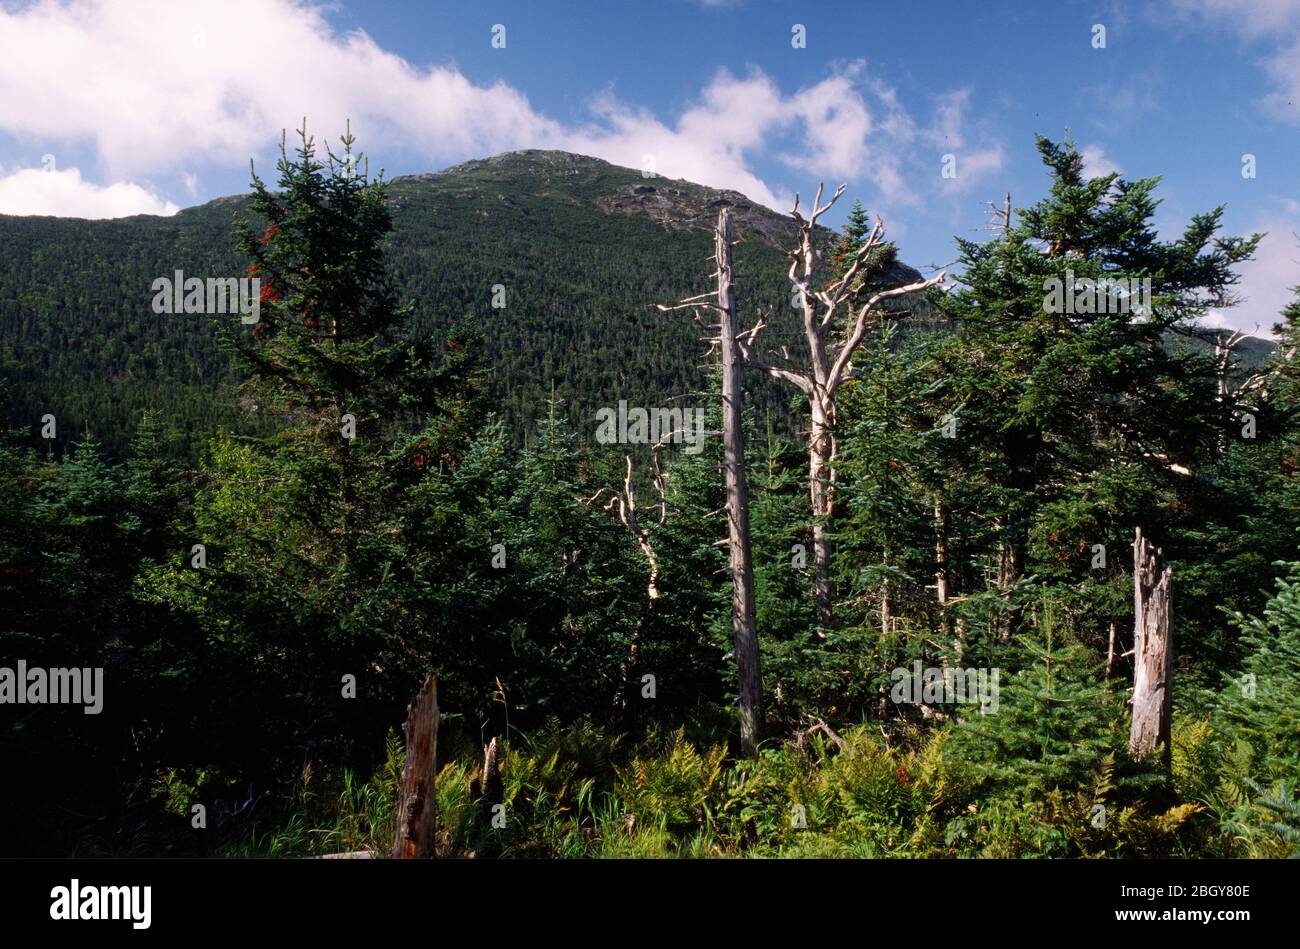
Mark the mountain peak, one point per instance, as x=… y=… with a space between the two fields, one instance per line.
x=541 y=159
x=547 y=173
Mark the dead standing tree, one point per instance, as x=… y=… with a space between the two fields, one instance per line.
x=1152 y=651
x=744 y=637
x=832 y=341
x=1240 y=396
x=623 y=504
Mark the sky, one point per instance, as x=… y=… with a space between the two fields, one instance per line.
x=926 y=111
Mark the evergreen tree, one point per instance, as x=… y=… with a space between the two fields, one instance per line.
x=1076 y=414
x=1261 y=705
x=308 y=584
x=857 y=228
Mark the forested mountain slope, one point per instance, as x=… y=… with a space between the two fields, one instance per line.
x=582 y=248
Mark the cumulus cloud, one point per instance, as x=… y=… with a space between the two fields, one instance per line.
x=949 y=133
x=1250 y=18
x=63 y=193
x=1096 y=164
x=148 y=82
x=711 y=142
x=210 y=82
x=1267 y=281
x=1127 y=99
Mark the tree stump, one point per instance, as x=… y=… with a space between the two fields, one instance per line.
x=416 y=803
x=1152 y=651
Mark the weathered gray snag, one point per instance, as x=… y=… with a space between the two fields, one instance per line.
x=416 y=803
x=1152 y=651
x=624 y=505
x=835 y=315
x=1111 y=658
x=941 y=565
x=722 y=303
x=745 y=639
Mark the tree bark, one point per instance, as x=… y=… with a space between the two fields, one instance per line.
x=940 y=554
x=886 y=606
x=745 y=638
x=1009 y=570
x=820 y=480
x=1152 y=651
x=941 y=565
x=624 y=504
x=1110 y=653
x=416 y=803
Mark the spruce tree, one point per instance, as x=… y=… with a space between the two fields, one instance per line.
x=1077 y=413
x=308 y=584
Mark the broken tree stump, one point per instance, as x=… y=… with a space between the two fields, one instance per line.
x=1152 y=651
x=416 y=803
x=492 y=789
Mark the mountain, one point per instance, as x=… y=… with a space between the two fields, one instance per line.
x=583 y=248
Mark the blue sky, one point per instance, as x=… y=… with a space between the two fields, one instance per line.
x=115 y=107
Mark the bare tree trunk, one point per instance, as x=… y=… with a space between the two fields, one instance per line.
x=722 y=302
x=941 y=564
x=416 y=802
x=940 y=553
x=1008 y=563
x=820 y=478
x=1110 y=653
x=1224 y=350
x=733 y=445
x=1152 y=651
x=624 y=504
x=835 y=316
x=886 y=594
x=1009 y=570
x=886 y=606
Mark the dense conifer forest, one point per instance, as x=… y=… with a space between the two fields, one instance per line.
x=268 y=534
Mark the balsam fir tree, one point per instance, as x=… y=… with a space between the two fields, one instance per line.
x=1076 y=415
x=305 y=579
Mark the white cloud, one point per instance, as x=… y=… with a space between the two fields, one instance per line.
x=1267 y=281
x=949 y=119
x=63 y=193
x=710 y=143
x=974 y=166
x=1127 y=99
x=948 y=133
x=151 y=82
x=1096 y=164
x=1252 y=19
x=210 y=82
